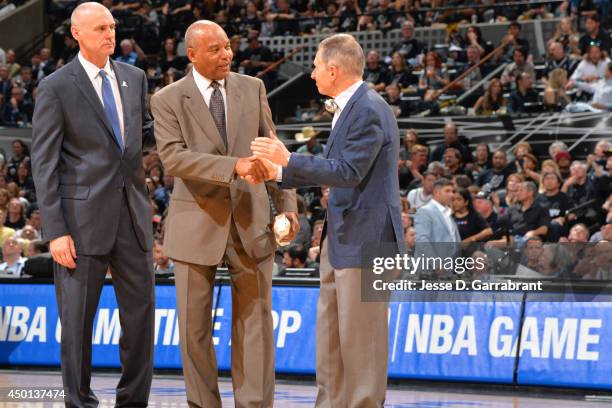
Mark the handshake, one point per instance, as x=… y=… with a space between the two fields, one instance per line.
x=268 y=154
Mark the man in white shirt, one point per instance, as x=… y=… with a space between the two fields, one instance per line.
x=13 y=261
x=418 y=197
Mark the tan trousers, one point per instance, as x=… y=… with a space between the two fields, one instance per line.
x=252 y=329
x=352 y=341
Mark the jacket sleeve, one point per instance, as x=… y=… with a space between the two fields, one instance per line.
x=363 y=142
x=178 y=159
x=47 y=139
x=148 y=135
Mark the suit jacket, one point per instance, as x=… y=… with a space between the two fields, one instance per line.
x=207 y=195
x=79 y=170
x=360 y=166
x=433 y=236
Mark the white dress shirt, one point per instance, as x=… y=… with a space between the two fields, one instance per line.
x=93 y=73
x=448 y=219
x=206 y=90
x=601 y=90
x=343 y=98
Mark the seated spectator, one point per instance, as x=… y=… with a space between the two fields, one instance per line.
x=493 y=101
x=529 y=219
x=471 y=225
x=580 y=190
x=567 y=37
x=168 y=57
x=71 y=50
x=592 y=68
x=600 y=154
x=24 y=180
x=509 y=197
x=473 y=38
x=563 y=161
x=33 y=219
x=433 y=76
x=482 y=160
x=386 y=16
x=453 y=163
x=312 y=145
x=5 y=231
x=557 y=203
x=349 y=12
x=268 y=27
x=258 y=57
x=555 y=96
x=409 y=47
x=518 y=65
x=556 y=147
x=578 y=234
x=557 y=59
x=483 y=205
x=296 y=257
x=400 y=73
x=513 y=42
x=471 y=79
x=26 y=82
x=601 y=90
x=451 y=139
x=131 y=53
x=410 y=238
x=6 y=83
x=6 y=113
x=411 y=138
x=375 y=74
x=150 y=19
x=495 y=178
x=16 y=214
x=523 y=95
x=22 y=109
x=531 y=258
x=13 y=261
x=594 y=35
x=393 y=98
x=162 y=265
x=11 y=63
x=410 y=170
x=420 y=196
x=529 y=168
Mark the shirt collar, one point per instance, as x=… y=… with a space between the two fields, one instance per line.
x=344 y=96
x=93 y=71
x=442 y=208
x=203 y=82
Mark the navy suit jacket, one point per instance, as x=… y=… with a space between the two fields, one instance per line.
x=359 y=165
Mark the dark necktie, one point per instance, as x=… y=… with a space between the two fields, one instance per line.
x=217 y=110
x=110 y=108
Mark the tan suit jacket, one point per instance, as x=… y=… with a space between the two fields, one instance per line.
x=207 y=195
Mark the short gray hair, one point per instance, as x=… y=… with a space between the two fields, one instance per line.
x=344 y=51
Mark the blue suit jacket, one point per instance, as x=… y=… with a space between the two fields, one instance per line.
x=359 y=165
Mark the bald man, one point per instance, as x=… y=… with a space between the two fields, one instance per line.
x=90 y=124
x=204 y=125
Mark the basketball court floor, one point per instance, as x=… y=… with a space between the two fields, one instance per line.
x=169 y=391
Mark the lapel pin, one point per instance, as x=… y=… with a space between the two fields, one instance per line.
x=124 y=84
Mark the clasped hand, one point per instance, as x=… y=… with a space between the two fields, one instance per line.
x=268 y=154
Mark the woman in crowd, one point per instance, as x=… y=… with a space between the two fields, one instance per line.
x=433 y=77
x=16 y=214
x=493 y=101
x=169 y=58
x=482 y=159
x=567 y=36
x=401 y=74
x=472 y=227
x=508 y=197
x=21 y=152
x=592 y=68
x=25 y=182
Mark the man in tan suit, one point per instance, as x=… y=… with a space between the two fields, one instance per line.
x=204 y=125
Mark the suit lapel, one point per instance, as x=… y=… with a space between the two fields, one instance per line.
x=199 y=110
x=123 y=94
x=232 y=120
x=343 y=115
x=84 y=84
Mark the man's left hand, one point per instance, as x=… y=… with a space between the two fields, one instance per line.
x=271 y=148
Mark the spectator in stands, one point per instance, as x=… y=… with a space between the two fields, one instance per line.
x=25 y=80
x=495 y=178
x=150 y=19
x=600 y=154
x=47 y=64
x=523 y=95
x=5 y=197
x=162 y=265
x=518 y=65
x=6 y=84
x=453 y=163
x=567 y=37
x=285 y=18
x=312 y=145
x=394 y=100
x=555 y=96
x=482 y=160
x=11 y=63
x=529 y=219
x=578 y=234
x=471 y=225
x=131 y=53
x=21 y=108
x=268 y=26
x=24 y=180
x=557 y=59
x=5 y=231
x=483 y=205
x=473 y=59
x=296 y=257
x=509 y=197
x=411 y=138
x=557 y=203
x=556 y=147
x=250 y=20
x=5 y=112
x=433 y=76
x=601 y=90
x=563 y=161
x=13 y=261
x=169 y=58
x=28 y=233
x=594 y=35
x=16 y=214
x=375 y=74
x=473 y=38
x=409 y=47
x=513 y=42
x=21 y=152
x=410 y=238
x=33 y=219
x=580 y=190
x=400 y=73
x=451 y=139
x=411 y=170
x=420 y=196
x=258 y=57
x=71 y=49
x=592 y=67
x=493 y=101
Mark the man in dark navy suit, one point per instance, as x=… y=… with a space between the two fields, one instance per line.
x=89 y=125
x=360 y=166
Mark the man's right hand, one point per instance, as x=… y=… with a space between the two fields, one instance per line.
x=251 y=169
x=63 y=251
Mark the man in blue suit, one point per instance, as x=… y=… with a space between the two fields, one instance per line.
x=360 y=166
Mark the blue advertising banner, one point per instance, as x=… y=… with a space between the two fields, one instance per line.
x=562 y=343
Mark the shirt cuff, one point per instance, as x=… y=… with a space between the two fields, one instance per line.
x=279 y=173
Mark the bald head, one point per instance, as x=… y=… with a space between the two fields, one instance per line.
x=85 y=13
x=200 y=31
